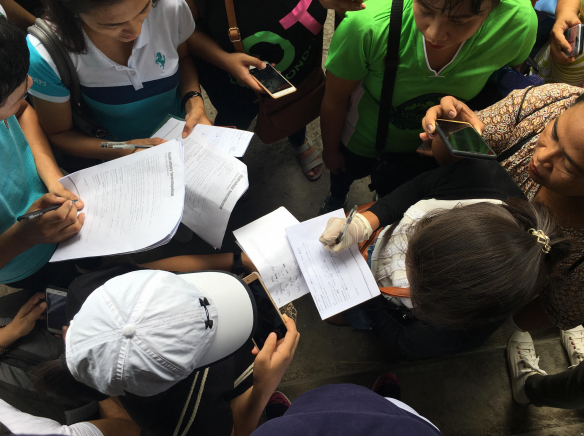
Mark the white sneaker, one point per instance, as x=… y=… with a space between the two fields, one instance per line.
x=522 y=363
x=573 y=341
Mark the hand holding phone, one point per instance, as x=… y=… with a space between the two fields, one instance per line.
x=272 y=81
x=463 y=140
x=25 y=320
x=274 y=358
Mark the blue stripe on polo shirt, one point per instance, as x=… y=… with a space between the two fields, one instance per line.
x=138 y=119
x=116 y=95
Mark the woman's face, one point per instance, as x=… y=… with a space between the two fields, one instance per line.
x=443 y=29
x=120 y=21
x=558 y=159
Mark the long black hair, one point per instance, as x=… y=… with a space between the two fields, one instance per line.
x=63 y=15
x=479 y=263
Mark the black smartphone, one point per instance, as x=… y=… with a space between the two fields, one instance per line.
x=463 y=140
x=269 y=316
x=56 y=299
x=575 y=36
x=272 y=81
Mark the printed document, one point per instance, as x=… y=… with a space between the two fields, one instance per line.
x=337 y=282
x=232 y=141
x=133 y=203
x=266 y=244
x=214 y=182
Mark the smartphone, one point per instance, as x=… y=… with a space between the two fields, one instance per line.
x=272 y=81
x=575 y=36
x=56 y=299
x=463 y=140
x=269 y=316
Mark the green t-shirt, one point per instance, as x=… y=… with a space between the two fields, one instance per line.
x=358 y=49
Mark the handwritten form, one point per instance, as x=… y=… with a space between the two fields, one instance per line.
x=266 y=244
x=133 y=203
x=232 y=141
x=337 y=282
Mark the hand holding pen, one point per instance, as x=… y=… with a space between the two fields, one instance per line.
x=342 y=233
x=49 y=220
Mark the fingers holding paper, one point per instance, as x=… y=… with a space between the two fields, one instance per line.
x=358 y=231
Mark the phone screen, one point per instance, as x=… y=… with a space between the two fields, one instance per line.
x=56 y=310
x=269 y=318
x=464 y=138
x=270 y=79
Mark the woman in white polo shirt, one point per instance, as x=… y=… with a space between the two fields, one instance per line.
x=133 y=66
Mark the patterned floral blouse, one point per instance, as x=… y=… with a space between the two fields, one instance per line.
x=505 y=127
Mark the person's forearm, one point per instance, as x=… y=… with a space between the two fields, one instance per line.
x=189 y=79
x=75 y=143
x=332 y=117
x=11 y=246
x=202 y=45
x=8 y=336
x=17 y=14
x=247 y=410
x=45 y=162
x=567 y=8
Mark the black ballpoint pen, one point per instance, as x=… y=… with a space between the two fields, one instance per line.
x=31 y=215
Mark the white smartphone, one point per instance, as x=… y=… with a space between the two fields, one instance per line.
x=56 y=299
x=272 y=81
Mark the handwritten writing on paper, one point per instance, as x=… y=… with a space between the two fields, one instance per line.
x=266 y=244
x=336 y=281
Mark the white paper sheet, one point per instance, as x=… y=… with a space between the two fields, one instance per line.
x=232 y=141
x=132 y=203
x=266 y=244
x=214 y=182
x=336 y=281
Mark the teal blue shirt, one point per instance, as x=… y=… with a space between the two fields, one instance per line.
x=20 y=186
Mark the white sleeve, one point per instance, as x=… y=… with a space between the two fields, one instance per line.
x=186 y=22
x=23 y=423
x=2 y=12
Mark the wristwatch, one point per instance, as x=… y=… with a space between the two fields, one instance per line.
x=238 y=269
x=187 y=97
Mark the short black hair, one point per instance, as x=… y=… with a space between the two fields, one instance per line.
x=14 y=59
x=476 y=6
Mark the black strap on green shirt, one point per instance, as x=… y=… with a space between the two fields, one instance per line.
x=389 y=75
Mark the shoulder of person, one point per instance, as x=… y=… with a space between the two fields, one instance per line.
x=516 y=14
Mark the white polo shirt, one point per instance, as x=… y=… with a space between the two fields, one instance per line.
x=130 y=101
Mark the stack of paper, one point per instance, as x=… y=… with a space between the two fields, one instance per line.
x=234 y=142
x=214 y=180
x=336 y=282
x=133 y=203
x=266 y=244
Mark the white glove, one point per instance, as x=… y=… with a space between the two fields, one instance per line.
x=358 y=231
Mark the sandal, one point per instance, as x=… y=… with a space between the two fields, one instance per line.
x=310 y=162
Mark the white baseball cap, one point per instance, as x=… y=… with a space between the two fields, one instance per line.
x=144 y=331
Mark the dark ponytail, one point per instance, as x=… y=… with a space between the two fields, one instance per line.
x=53 y=377
x=63 y=15
x=478 y=264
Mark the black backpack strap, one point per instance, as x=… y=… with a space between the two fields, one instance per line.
x=389 y=75
x=81 y=117
x=515 y=148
